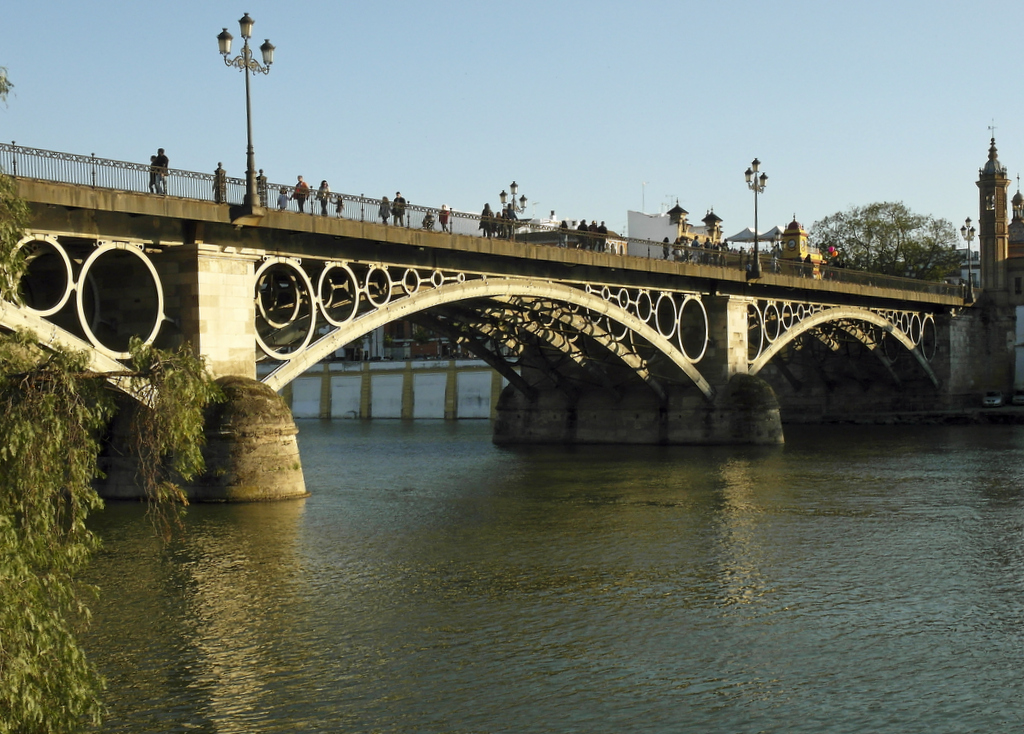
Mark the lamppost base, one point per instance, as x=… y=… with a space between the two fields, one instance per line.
x=246 y=214
x=755 y=271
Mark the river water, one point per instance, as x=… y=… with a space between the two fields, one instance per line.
x=858 y=579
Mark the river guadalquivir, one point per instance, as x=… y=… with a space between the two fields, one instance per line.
x=857 y=579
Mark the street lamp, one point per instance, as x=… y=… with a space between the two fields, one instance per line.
x=514 y=188
x=246 y=64
x=967 y=232
x=756 y=184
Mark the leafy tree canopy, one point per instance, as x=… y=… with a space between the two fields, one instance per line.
x=888 y=238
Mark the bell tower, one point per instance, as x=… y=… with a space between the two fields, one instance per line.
x=993 y=240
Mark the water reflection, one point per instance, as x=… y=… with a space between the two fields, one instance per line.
x=205 y=611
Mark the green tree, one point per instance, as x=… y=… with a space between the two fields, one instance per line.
x=54 y=413
x=888 y=238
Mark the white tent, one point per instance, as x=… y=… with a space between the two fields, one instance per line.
x=747 y=235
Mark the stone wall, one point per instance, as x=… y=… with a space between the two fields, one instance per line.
x=411 y=389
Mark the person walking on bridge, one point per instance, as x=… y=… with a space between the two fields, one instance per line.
x=442 y=217
x=323 y=195
x=385 y=209
x=300 y=194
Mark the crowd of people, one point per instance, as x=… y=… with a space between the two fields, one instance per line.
x=500 y=225
x=590 y=236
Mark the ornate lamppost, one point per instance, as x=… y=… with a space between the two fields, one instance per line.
x=967 y=232
x=247 y=64
x=756 y=184
x=516 y=207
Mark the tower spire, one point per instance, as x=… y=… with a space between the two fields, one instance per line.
x=993 y=235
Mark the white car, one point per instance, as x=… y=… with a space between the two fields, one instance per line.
x=992 y=399
x=1018 y=397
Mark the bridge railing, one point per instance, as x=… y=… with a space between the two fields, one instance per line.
x=142 y=178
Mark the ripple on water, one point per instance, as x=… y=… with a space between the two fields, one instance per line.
x=853 y=580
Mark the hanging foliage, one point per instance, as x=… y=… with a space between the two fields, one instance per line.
x=54 y=414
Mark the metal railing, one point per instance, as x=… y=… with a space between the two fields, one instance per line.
x=141 y=178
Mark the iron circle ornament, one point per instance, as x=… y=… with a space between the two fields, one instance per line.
x=277 y=301
x=378 y=286
x=411 y=281
x=644 y=306
x=694 y=330
x=38 y=283
x=914 y=323
x=788 y=316
x=773 y=322
x=666 y=315
x=302 y=298
x=337 y=277
x=91 y=282
x=929 y=337
x=755 y=332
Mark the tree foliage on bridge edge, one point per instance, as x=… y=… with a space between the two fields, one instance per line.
x=888 y=238
x=54 y=414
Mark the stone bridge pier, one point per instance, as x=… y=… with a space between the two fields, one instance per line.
x=733 y=407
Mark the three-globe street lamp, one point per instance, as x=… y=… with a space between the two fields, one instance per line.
x=967 y=232
x=516 y=208
x=756 y=184
x=246 y=64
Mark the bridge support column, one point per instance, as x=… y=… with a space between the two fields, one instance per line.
x=214 y=288
x=727 y=338
x=251 y=453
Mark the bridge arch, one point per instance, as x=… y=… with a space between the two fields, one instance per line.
x=455 y=290
x=839 y=315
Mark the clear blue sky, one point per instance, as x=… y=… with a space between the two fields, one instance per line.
x=580 y=102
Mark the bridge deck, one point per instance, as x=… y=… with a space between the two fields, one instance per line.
x=168 y=221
